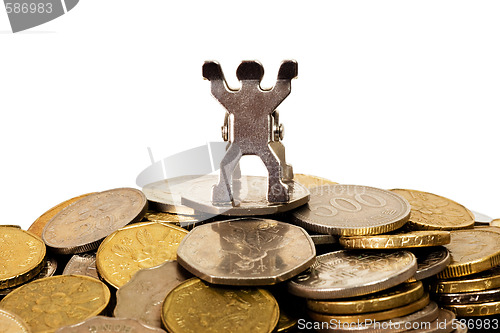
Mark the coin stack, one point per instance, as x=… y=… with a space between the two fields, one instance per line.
x=349 y=259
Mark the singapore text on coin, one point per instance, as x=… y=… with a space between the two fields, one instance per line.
x=21 y=256
x=195 y=306
x=81 y=226
x=394 y=297
x=433 y=212
x=142 y=297
x=411 y=239
x=50 y=303
x=489 y=279
x=378 y=316
x=140 y=245
x=343 y=273
x=247 y=251
x=350 y=210
x=472 y=251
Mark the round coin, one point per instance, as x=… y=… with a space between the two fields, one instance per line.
x=81 y=226
x=141 y=245
x=319 y=239
x=21 y=256
x=311 y=181
x=165 y=195
x=397 y=241
x=475 y=310
x=57 y=301
x=491 y=295
x=11 y=323
x=39 y=224
x=485 y=280
x=352 y=210
x=251 y=197
x=431 y=261
x=142 y=297
x=246 y=252
x=82 y=264
x=195 y=306
x=394 y=325
x=342 y=274
x=105 y=324
x=433 y=212
x=374 y=316
x=472 y=251
x=394 y=297
x=495 y=223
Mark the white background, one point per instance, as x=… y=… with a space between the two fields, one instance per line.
x=390 y=93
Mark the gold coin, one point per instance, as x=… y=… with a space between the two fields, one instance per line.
x=472 y=251
x=475 y=310
x=311 y=181
x=39 y=224
x=10 y=323
x=397 y=241
x=433 y=212
x=141 y=245
x=177 y=219
x=50 y=303
x=196 y=306
x=395 y=297
x=379 y=315
x=485 y=280
x=495 y=223
x=21 y=256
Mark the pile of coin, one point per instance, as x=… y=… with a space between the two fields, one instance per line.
x=336 y=258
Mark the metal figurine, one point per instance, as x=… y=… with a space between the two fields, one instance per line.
x=252 y=127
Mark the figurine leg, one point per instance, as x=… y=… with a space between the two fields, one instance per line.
x=221 y=193
x=276 y=191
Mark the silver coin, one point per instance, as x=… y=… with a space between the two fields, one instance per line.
x=342 y=274
x=491 y=295
x=481 y=218
x=444 y=323
x=48 y=269
x=105 y=324
x=251 y=197
x=352 y=210
x=246 y=252
x=165 y=195
x=82 y=264
x=395 y=325
x=142 y=297
x=431 y=261
x=81 y=226
x=323 y=239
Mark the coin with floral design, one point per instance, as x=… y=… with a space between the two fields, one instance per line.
x=141 y=245
x=433 y=212
x=50 y=303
